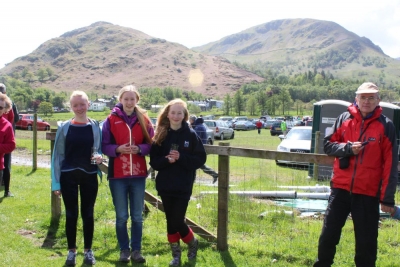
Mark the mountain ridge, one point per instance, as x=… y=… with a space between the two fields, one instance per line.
x=104 y=57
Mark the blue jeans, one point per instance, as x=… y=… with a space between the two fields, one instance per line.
x=122 y=190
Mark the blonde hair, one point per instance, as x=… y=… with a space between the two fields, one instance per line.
x=141 y=114
x=7 y=102
x=79 y=93
x=163 y=123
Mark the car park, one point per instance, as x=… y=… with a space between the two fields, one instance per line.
x=276 y=127
x=221 y=129
x=26 y=123
x=244 y=126
x=297 y=140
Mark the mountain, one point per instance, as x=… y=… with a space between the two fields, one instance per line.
x=293 y=46
x=104 y=57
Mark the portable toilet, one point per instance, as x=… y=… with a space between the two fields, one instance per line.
x=325 y=114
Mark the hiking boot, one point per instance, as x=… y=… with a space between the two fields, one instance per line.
x=8 y=194
x=137 y=257
x=215 y=178
x=125 y=255
x=176 y=254
x=71 y=258
x=89 y=258
x=192 y=248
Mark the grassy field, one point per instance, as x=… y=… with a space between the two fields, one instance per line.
x=277 y=239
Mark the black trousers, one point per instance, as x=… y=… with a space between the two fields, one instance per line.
x=365 y=216
x=76 y=183
x=175 y=210
x=7 y=172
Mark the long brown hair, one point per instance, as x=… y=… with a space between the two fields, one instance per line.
x=141 y=114
x=163 y=121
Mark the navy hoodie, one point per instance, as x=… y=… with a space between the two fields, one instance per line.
x=176 y=179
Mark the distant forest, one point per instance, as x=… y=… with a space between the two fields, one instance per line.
x=278 y=95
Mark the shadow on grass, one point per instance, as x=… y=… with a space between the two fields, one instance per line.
x=50 y=239
x=227 y=259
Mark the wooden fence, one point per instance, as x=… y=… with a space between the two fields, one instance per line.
x=224 y=152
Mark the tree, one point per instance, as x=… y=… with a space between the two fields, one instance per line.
x=227 y=104
x=285 y=99
x=251 y=105
x=262 y=101
x=58 y=100
x=45 y=108
x=194 y=109
x=238 y=102
x=42 y=74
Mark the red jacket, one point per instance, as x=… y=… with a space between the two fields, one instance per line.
x=373 y=172
x=7 y=140
x=259 y=124
x=126 y=165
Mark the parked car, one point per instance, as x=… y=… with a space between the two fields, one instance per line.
x=154 y=122
x=221 y=129
x=276 y=127
x=225 y=118
x=297 y=140
x=309 y=123
x=239 y=118
x=244 y=126
x=26 y=123
x=210 y=135
x=268 y=124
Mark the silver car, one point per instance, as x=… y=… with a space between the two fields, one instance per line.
x=221 y=129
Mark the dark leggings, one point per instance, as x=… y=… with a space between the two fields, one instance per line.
x=365 y=217
x=87 y=185
x=6 y=172
x=175 y=211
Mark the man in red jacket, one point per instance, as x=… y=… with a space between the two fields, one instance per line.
x=364 y=176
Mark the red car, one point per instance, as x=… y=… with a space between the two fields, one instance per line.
x=26 y=123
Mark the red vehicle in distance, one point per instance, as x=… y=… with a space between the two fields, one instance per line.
x=26 y=123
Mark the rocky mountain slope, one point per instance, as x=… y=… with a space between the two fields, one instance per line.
x=104 y=57
x=298 y=45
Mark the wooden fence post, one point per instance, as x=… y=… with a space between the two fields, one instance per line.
x=223 y=199
x=34 y=144
x=55 y=200
x=316 y=148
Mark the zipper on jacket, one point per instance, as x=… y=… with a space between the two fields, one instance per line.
x=356 y=160
x=130 y=143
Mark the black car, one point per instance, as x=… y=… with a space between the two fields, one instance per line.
x=276 y=127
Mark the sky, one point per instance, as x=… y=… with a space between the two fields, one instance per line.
x=26 y=24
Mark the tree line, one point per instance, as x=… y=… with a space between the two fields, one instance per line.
x=278 y=95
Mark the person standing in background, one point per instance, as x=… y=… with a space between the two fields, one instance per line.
x=259 y=125
x=74 y=172
x=13 y=117
x=284 y=127
x=364 y=143
x=7 y=139
x=201 y=131
x=177 y=152
x=127 y=135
